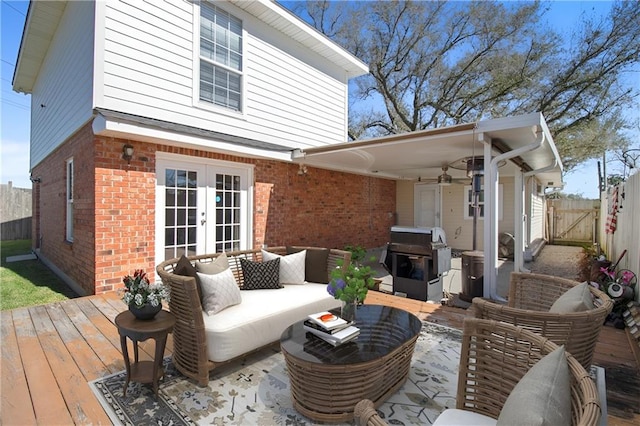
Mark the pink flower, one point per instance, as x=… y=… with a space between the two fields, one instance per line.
x=607 y=272
x=627 y=277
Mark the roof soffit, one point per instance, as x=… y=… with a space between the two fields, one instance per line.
x=279 y=17
x=43 y=18
x=421 y=155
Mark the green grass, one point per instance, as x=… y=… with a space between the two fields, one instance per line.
x=27 y=282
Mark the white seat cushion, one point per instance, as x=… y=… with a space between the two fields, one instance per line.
x=261 y=318
x=456 y=417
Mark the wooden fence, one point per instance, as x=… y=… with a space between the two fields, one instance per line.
x=15 y=213
x=622 y=204
x=573 y=221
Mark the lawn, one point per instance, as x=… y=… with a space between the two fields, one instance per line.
x=27 y=282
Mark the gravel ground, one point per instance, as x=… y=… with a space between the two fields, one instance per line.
x=561 y=261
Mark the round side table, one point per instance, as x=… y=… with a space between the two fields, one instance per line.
x=137 y=330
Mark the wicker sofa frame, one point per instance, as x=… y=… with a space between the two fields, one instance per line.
x=493 y=359
x=531 y=296
x=189 y=337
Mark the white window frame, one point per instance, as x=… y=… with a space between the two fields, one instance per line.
x=69 y=198
x=197 y=59
x=466 y=203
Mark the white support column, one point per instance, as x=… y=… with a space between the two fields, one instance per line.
x=490 y=223
x=519 y=200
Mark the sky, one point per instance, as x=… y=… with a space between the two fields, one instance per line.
x=15 y=107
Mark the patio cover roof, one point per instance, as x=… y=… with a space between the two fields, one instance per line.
x=422 y=154
x=518 y=146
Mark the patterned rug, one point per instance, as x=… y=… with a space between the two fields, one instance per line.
x=255 y=390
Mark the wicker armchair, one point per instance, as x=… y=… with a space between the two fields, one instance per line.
x=493 y=359
x=531 y=296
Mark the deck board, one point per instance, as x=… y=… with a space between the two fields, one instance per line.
x=16 y=404
x=83 y=406
x=49 y=353
x=48 y=401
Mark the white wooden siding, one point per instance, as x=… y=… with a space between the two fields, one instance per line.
x=404 y=203
x=536 y=218
x=291 y=97
x=62 y=95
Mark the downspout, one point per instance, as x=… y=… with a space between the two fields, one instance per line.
x=490 y=236
x=518 y=264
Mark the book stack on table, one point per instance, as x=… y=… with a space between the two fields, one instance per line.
x=331 y=328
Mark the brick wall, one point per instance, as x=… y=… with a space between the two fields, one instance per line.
x=321 y=208
x=77 y=259
x=114 y=231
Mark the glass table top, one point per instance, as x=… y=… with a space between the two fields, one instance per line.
x=382 y=330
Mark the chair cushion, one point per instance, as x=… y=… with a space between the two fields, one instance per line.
x=260 y=275
x=576 y=299
x=219 y=291
x=542 y=396
x=315 y=264
x=186 y=269
x=292 y=266
x=216 y=266
x=457 y=417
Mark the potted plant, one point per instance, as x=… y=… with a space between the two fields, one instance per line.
x=143 y=298
x=350 y=285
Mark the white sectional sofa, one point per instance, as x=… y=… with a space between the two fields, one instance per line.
x=216 y=323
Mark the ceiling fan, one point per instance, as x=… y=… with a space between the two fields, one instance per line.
x=445 y=179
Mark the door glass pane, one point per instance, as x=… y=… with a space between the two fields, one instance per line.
x=227 y=205
x=181 y=206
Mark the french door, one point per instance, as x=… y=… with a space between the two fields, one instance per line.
x=426 y=205
x=201 y=207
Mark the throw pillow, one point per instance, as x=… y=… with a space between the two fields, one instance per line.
x=219 y=291
x=186 y=269
x=216 y=266
x=260 y=275
x=292 y=266
x=315 y=264
x=542 y=396
x=576 y=299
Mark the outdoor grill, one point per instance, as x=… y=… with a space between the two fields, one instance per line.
x=417 y=258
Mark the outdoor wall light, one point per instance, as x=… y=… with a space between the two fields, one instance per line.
x=127 y=153
x=302 y=170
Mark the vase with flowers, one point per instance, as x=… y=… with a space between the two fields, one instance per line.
x=350 y=285
x=143 y=298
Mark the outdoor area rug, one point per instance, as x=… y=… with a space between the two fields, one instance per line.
x=255 y=390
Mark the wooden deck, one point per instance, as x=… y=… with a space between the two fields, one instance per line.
x=50 y=352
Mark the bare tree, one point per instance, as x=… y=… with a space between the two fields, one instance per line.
x=434 y=64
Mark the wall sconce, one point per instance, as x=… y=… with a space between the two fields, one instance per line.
x=302 y=170
x=127 y=153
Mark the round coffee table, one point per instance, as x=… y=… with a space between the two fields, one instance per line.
x=327 y=382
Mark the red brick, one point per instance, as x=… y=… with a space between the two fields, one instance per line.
x=115 y=207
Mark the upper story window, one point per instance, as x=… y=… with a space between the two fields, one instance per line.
x=220 y=57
